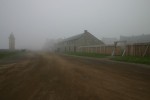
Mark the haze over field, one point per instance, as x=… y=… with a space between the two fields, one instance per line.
x=34 y=21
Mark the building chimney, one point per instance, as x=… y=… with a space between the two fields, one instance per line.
x=85 y=31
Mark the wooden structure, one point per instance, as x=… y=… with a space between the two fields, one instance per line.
x=140 y=49
x=115 y=45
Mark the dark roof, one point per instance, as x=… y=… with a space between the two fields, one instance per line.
x=74 y=37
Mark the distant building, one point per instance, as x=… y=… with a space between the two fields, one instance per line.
x=145 y=38
x=11 y=42
x=109 y=41
x=50 y=44
x=73 y=43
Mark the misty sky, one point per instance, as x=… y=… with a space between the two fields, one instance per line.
x=34 y=21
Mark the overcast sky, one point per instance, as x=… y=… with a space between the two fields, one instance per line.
x=33 y=21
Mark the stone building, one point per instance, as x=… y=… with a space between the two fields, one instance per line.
x=11 y=42
x=72 y=44
x=144 y=38
x=109 y=41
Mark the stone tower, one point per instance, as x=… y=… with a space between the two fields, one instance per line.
x=11 y=42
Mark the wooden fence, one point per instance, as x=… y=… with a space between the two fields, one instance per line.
x=142 y=49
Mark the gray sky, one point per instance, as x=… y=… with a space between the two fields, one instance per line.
x=32 y=21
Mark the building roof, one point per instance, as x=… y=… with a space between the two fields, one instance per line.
x=78 y=36
x=85 y=34
x=74 y=37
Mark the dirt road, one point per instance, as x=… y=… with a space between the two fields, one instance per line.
x=59 y=77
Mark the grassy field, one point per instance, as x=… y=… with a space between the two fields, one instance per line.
x=133 y=59
x=5 y=54
x=11 y=54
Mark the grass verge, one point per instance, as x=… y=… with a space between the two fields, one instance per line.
x=96 y=55
x=133 y=59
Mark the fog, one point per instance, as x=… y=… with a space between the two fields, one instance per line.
x=35 y=21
